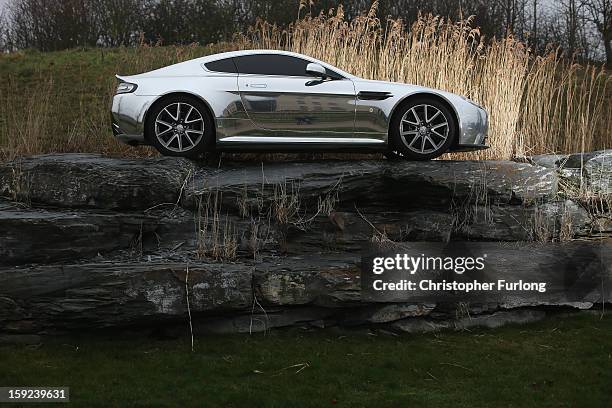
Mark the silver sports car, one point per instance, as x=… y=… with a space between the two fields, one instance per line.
x=282 y=101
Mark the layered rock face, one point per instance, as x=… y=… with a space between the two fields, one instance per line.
x=89 y=242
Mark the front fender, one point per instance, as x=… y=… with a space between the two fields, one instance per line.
x=374 y=115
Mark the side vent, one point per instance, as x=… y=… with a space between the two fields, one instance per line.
x=373 y=95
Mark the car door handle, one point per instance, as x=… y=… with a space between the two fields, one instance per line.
x=257 y=85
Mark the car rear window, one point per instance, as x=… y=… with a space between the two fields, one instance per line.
x=222 y=65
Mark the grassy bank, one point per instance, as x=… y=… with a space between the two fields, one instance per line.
x=59 y=101
x=560 y=362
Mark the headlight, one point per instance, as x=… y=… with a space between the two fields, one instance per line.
x=126 y=87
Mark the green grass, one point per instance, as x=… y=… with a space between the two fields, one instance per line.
x=562 y=362
x=69 y=92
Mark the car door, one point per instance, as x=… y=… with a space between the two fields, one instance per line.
x=280 y=97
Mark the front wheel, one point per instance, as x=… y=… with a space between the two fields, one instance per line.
x=180 y=126
x=421 y=129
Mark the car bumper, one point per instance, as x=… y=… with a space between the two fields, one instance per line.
x=469 y=148
x=473 y=129
x=128 y=114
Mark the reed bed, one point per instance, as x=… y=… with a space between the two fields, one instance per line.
x=536 y=104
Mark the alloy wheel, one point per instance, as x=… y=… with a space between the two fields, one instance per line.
x=424 y=129
x=179 y=127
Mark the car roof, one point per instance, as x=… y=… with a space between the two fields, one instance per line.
x=194 y=66
x=230 y=54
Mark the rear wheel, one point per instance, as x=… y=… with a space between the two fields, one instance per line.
x=180 y=126
x=421 y=129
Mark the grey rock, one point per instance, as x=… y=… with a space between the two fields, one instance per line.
x=419 y=225
x=113 y=293
x=579 y=160
x=308 y=267
x=95 y=181
x=472 y=308
x=261 y=322
x=397 y=185
x=348 y=231
x=122 y=293
x=572 y=178
x=178 y=231
x=36 y=235
x=563 y=219
x=501 y=318
x=29 y=339
x=515 y=303
x=257 y=185
x=343 y=231
x=252 y=236
x=388 y=313
x=588 y=172
x=493 y=223
x=551 y=161
x=485 y=181
x=318 y=324
x=321 y=280
x=421 y=325
x=338 y=231
x=491 y=321
x=554 y=220
x=599 y=173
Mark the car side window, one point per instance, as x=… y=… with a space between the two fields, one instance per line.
x=274 y=64
x=223 y=65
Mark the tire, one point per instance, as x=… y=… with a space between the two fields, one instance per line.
x=421 y=129
x=180 y=126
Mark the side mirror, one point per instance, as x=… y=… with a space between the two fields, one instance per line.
x=316 y=70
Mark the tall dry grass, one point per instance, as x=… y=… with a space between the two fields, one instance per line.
x=566 y=107
x=536 y=104
x=22 y=126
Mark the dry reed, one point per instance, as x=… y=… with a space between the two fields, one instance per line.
x=537 y=104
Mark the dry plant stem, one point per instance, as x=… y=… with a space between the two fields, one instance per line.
x=256 y=303
x=215 y=238
x=189 y=306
